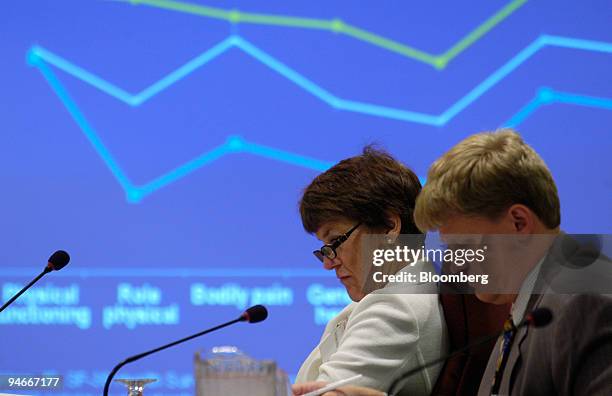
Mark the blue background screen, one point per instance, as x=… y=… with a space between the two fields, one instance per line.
x=165 y=145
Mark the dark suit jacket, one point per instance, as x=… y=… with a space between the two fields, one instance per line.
x=570 y=356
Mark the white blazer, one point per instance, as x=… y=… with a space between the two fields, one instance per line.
x=380 y=337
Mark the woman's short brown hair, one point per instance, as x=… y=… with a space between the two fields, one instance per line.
x=366 y=188
x=484 y=175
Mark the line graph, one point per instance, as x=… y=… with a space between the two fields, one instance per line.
x=338 y=26
x=134 y=193
x=42 y=58
x=38 y=56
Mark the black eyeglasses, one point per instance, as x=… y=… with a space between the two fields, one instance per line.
x=329 y=251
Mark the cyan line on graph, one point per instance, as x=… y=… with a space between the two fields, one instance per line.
x=134 y=193
x=547 y=96
x=39 y=57
x=104 y=272
x=38 y=54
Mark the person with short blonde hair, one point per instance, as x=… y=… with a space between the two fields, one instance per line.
x=493 y=183
x=484 y=175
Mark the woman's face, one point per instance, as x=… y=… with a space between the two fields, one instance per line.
x=347 y=264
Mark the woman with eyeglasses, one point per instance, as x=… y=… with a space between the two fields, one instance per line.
x=380 y=335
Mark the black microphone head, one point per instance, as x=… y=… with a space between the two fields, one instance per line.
x=58 y=260
x=255 y=314
x=540 y=317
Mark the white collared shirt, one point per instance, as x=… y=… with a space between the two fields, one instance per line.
x=519 y=306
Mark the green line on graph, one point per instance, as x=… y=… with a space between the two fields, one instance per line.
x=338 y=26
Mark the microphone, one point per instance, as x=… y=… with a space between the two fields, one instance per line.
x=539 y=317
x=255 y=314
x=56 y=262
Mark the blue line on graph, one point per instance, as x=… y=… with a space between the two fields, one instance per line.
x=234 y=144
x=332 y=100
x=78 y=116
x=40 y=57
x=226 y=272
x=134 y=193
x=547 y=96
